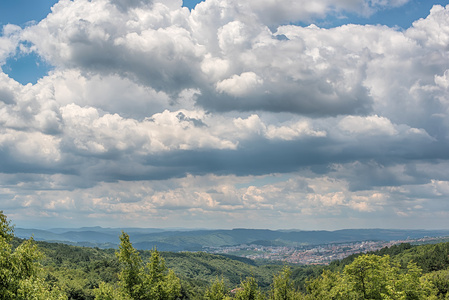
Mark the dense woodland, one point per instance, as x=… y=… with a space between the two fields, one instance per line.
x=40 y=270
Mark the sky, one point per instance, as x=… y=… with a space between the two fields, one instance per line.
x=287 y=114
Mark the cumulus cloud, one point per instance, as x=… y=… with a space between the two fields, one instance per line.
x=164 y=47
x=152 y=109
x=8 y=41
x=220 y=45
x=240 y=85
x=371 y=125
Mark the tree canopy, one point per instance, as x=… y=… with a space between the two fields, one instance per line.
x=39 y=270
x=151 y=281
x=21 y=274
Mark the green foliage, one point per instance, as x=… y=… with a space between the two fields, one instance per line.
x=6 y=229
x=131 y=279
x=37 y=289
x=368 y=275
x=20 y=273
x=106 y=291
x=78 y=271
x=38 y=270
x=249 y=290
x=152 y=281
x=372 y=277
x=282 y=286
x=217 y=291
x=428 y=257
x=205 y=268
x=440 y=280
x=328 y=286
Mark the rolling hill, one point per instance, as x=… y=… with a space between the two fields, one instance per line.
x=194 y=240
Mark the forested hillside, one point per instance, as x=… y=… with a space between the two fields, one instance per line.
x=40 y=270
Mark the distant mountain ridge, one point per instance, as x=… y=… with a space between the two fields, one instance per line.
x=198 y=239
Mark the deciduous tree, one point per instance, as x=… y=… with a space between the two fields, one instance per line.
x=282 y=287
x=20 y=272
x=249 y=290
x=217 y=291
x=372 y=277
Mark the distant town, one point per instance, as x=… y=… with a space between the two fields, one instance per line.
x=313 y=254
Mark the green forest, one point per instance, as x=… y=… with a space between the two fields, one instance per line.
x=40 y=270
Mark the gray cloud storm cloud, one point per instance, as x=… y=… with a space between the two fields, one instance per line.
x=225 y=116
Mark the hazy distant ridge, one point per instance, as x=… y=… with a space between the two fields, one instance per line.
x=192 y=240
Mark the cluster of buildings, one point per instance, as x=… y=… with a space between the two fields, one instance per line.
x=319 y=254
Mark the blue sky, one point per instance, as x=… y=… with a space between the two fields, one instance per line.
x=402 y=16
x=261 y=114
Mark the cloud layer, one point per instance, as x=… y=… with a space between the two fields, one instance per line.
x=227 y=115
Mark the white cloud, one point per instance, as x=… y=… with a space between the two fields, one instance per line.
x=222 y=47
x=30 y=147
x=166 y=131
x=214 y=196
x=432 y=31
x=110 y=93
x=9 y=41
x=357 y=115
x=240 y=85
x=215 y=68
x=293 y=131
x=443 y=81
x=371 y=125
